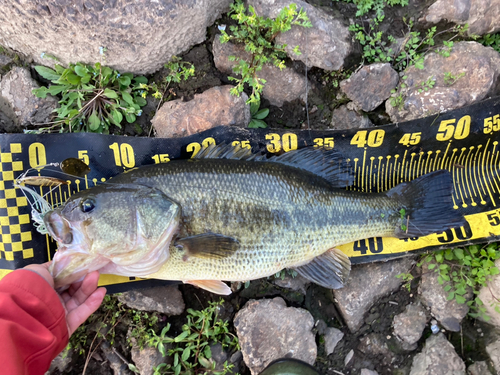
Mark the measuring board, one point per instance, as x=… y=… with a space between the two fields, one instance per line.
x=463 y=141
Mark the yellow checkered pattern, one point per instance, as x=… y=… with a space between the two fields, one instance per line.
x=15 y=229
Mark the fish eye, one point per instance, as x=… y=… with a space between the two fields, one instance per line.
x=87 y=205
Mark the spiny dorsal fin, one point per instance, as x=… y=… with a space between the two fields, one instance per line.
x=330 y=270
x=214 y=286
x=208 y=245
x=327 y=163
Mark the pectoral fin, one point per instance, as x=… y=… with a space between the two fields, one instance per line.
x=214 y=286
x=208 y=245
x=330 y=270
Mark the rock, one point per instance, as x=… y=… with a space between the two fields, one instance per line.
x=7 y=124
x=275 y=78
x=374 y=344
x=268 y=330
x=493 y=350
x=366 y=284
x=116 y=360
x=348 y=357
x=480 y=15
x=219 y=356
x=297 y=283
x=139 y=36
x=365 y=371
x=409 y=325
x=332 y=338
x=148 y=358
x=475 y=70
x=4 y=61
x=211 y=108
x=344 y=118
x=325 y=45
x=165 y=299
x=479 y=368
x=19 y=104
x=448 y=312
x=437 y=357
x=489 y=296
x=61 y=362
x=370 y=86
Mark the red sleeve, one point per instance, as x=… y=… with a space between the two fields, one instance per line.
x=32 y=324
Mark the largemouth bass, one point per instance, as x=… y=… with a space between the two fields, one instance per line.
x=230 y=215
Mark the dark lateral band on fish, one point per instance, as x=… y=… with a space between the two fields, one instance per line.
x=237 y=216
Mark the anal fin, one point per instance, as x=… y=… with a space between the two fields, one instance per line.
x=214 y=286
x=330 y=269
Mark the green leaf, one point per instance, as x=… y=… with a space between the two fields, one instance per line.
x=47 y=73
x=117 y=116
x=262 y=114
x=141 y=79
x=431 y=266
x=185 y=354
x=460 y=299
x=127 y=97
x=204 y=362
x=81 y=70
x=140 y=101
x=94 y=122
x=255 y=124
x=86 y=78
x=73 y=79
x=40 y=92
x=124 y=80
x=111 y=94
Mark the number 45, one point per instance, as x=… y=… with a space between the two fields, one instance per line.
x=410 y=139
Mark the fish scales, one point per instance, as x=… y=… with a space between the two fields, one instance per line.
x=228 y=215
x=281 y=216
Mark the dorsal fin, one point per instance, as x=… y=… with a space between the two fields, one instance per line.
x=327 y=163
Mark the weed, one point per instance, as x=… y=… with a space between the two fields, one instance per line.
x=191 y=349
x=407 y=279
x=491 y=40
x=258 y=116
x=468 y=268
x=364 y=6
x=404 y=220
x=258 y=35
x=450 y=79
x=92 y=97
x=426 y=85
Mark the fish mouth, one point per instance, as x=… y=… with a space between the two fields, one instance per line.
x=58 y=228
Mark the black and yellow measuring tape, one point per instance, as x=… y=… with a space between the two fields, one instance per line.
x=464 y=141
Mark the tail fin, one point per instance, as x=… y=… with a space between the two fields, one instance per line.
x=427 y=205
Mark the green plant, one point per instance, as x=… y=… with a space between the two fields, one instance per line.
x=92 y=97
x=465 y=269
x=491 y=40
x=258 y=36
x=426 y=85
x=450 y=79
x=191 y=348
x=404 y=219
x=258 y=115
x=407 y=279
x=364 y=6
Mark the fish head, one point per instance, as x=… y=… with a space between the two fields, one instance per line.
x=114 y=228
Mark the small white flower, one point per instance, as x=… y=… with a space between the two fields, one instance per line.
x=221 y=27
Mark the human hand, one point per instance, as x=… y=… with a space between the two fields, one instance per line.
x=80 y=300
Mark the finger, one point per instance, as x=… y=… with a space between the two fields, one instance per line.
x=86 y=288
x=77 y=316
x=42 y=271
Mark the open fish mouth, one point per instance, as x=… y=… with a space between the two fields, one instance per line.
x=58 y=228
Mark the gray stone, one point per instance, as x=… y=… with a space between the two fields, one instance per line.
x=211 y=108
x=438 y=357
x=147 y=358
x=19 y=103
x=344 y=118
x=448 y=312
x=479 y=368
x=116 y=360
x=62 y=361
x=297 y=283
x=370 y=86
x=489 y=296
x=481 y=15
x=219 y=356
x=4 y=61
x=140 y=36
x=268 y=330
x=374 y=344
x=275 y=78
x=332 y=338
x=479 y=65
x=165 y=299
x=358 y=295
x=493 y=350
x=409 y=325
x=365 y=371
x=7 y=125
x=325 y=45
